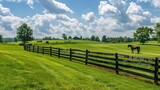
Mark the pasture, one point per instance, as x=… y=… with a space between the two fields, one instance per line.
x=151 y=49
x=25 y=70
x=135 y=65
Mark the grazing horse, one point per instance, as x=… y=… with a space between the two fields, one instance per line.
x=134 y=47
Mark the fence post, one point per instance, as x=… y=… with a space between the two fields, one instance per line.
x=43 y=50
x=59 y=52
x=24 y=47
x=156 y=71
x=86 y=57
x=116 y=58
x=70 y=54
x=37 y=49
x=33 y=49
x=50 y=51
x=29 y=48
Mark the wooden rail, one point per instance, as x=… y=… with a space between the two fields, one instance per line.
x=144 y=67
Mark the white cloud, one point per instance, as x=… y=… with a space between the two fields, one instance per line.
x=104 y=8
x=4 y=11
x=53 y=6
x=30 y=3
x=156 y=3
x=118 y=3
x=134 y=9
x=138 y=15
x=147 y=14
x=9 y=25
x=155 y=20
x=144 y=1
x=89 y=17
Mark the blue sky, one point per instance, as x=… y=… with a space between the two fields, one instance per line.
x=78 y=17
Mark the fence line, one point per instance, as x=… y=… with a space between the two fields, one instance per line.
x=144 y=67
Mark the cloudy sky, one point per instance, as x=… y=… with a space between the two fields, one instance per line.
x=78 y=17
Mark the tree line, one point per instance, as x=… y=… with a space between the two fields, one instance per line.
x=142 y=34
x=104 y=38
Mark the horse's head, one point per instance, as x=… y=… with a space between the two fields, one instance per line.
x=129 y=45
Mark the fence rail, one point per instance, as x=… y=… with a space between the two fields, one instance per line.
x=144 y=67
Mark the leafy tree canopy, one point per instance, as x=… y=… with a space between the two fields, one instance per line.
x=1 y=38
x=24 y=33
x=64 y=36
x=157 y=31
x=143 y=34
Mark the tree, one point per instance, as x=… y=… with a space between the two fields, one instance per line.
x=92 y=38
x=143 y=34
x=81 y=37
x=104 y=38
x=1 y=38
x=97 y=39
x=64 y=36
x=157 y=32
x=70 y=38
x=15 y=39
x=76 y=38
x=24 y=33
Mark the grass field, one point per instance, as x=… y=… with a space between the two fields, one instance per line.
x=24 y=70
x=150 y=49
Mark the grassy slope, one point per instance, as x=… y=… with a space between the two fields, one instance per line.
x=151 y=49
x=24 y=70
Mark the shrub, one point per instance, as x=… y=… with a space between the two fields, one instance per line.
x=47 y=42
x=39 y=41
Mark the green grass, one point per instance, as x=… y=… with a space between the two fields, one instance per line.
x=25 y=70
x=150 y=49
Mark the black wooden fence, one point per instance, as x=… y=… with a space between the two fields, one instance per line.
x=144 y=67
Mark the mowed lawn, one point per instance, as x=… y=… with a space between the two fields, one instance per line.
x=151 y=49
x=24 y=70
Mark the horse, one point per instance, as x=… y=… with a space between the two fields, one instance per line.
x=134 y=47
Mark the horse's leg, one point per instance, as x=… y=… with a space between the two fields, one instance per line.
x=132 y=50
x=138 y=50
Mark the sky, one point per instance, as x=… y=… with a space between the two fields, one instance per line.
x=112 y=18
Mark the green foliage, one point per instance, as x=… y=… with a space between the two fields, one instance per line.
x=93 y=38
x=116 y=39
x=97 y=39
x=104 y=38
x=20 y=70
x=151 y=49
x=64 y=36
x=1 y=38
x=24 y=33
x=69 y=37
x=47 y=38
x=15 y=39
x=143 y=34
x=81 y=37
x=157 y=31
